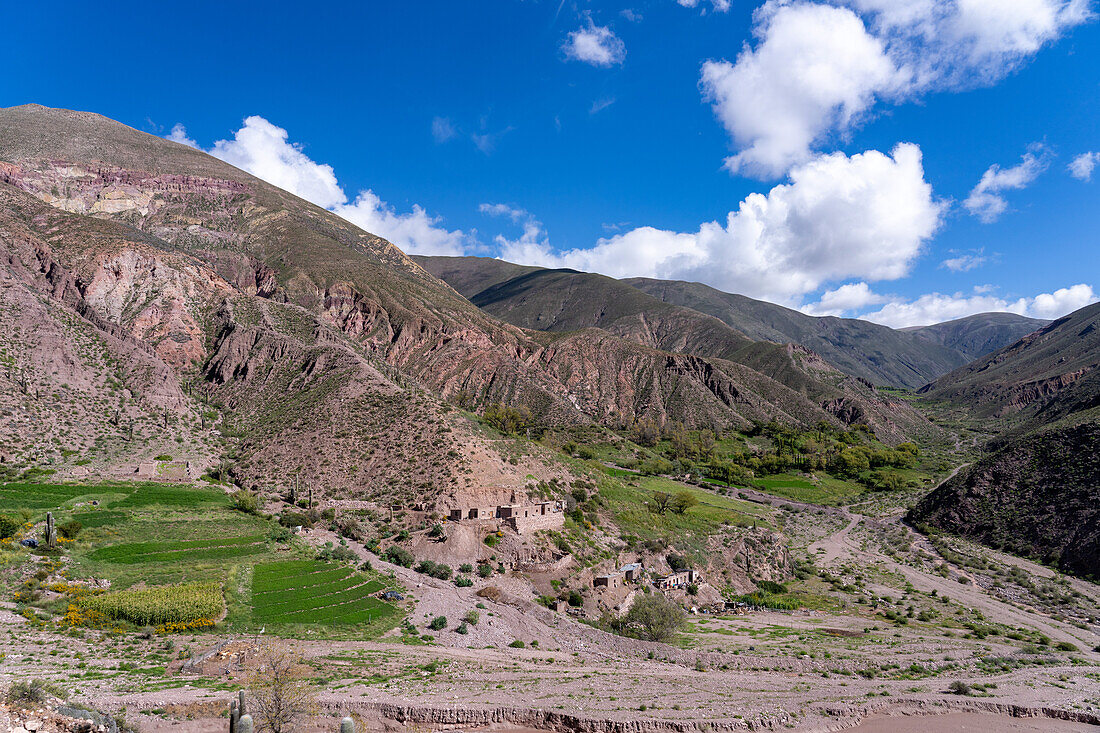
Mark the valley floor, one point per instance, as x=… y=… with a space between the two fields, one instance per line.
x=834 y=667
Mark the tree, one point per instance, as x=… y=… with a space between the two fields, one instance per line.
x=660 y=502
x=654 y=617
x=683 y=501
x=647 y=433
x=508 y=420
x=281 y=692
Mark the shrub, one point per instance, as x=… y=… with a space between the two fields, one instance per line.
x=958 y=687
x=438 y=623
x=655 y=617
x=436 y=530
x=770 y=586
x=245 y=501
x=518 y=644
x=575 y=598
x=466 y=568
x=462 y=629
x=31 y=692
x=163 y=457
x=1065 y=646
x=338 y=554
x=9 y=525
x=70 y=529
x=280 y=534
x=463 y=582
x=472 y=617
x=400 y=556
x=484 y=570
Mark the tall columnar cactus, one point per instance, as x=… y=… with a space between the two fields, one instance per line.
x=240 y=702
x=347 y=725
x=51 y=531
x=244 y=725
x=234 y=716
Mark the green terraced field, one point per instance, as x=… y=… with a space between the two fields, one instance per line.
x=191 y=550
x=314 y=592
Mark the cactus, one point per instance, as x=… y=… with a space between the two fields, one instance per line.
x=244 y=725
x=347 y=725
x=234 y=716
x=240 y=702
x=51 y=530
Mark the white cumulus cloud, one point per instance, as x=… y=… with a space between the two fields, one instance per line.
x=817 y=69
x=986 y=200
x=1081 y=167
x=596 y=45
x=179 y=135
x=937 y=307
x=264 y=150
x=845 y=299
x=865 y=216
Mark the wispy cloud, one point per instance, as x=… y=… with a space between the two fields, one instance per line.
x=987 y=202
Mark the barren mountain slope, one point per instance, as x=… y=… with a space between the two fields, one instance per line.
x=118 y=347
x=1037 y=491
x=980 y=334
x=266 y=242
x=883 y=355
x=566 y=300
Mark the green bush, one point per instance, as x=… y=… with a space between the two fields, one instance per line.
x=471 y=617
x=462 y=629
x=438 y=623
x=958 y=687
x=576 y=599
x=654 y=617
x=32 y=692
x=70 y=529
x=484 y=570
x=518 y=644
x=400 y=556
x=466 y=568
x=463 y=582
x=247 y=502
x=9 y=525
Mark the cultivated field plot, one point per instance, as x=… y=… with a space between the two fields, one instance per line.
x=218 y=548
x=314 y=592
x=125 y=496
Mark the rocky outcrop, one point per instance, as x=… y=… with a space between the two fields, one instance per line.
x=1037 y=496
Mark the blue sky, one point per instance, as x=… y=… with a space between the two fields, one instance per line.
x=847 y=137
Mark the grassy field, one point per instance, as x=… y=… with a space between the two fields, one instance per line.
x=824 y=489
x=688 y=531
x=185 y=548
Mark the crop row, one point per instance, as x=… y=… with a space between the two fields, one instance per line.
x=161 y=605
x=209 y=549
x=348 y=612
x=318 y=589
x=279 y=584
x=162 y=495
x=306 y=600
